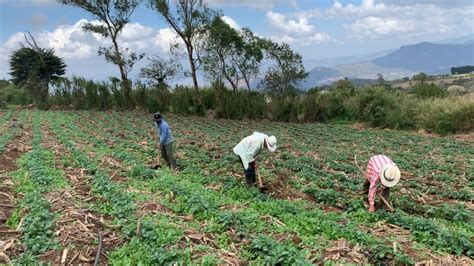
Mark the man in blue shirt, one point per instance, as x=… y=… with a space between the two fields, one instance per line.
x=166 y=140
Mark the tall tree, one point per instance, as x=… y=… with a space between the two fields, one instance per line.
x=113 y=15
x=287 y=71
x=34 y=68
x=249 y=59
x=230 y=54
x=190 y=20
x=219 y=57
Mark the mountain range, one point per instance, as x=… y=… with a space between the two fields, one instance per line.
x=430 y=58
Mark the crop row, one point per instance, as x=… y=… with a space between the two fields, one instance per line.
x=199 y=205
x=159 y=233
x=7 y=132
x=449 y=239
x=34 y=179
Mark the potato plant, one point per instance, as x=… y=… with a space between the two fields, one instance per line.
x=206 y=214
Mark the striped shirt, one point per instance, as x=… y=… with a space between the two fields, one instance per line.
x=376 y=163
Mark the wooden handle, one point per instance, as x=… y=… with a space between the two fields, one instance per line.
x=153 y=135
x=358 y=167
x=260 y=183
x=386 y=203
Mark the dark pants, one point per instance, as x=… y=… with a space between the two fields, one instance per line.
x=385 y=191
x=167 y=154
x=249 y=172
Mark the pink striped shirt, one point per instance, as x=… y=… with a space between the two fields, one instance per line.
x=376 y=163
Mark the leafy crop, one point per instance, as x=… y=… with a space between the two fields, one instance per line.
x=206 y=214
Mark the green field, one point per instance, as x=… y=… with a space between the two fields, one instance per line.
x=74 y=181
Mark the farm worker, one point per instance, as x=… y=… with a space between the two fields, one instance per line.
x=380 y=170
x=14 y=123
x=251 y=146
x=166 y=140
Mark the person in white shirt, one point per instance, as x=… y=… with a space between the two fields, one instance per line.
x=251 y=146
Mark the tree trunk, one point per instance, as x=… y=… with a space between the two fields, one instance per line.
x=193 y=66
x=247 y=82
x=126 y=86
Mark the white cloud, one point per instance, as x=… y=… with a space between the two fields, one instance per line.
x=399 y=18
x=79 y=48
x=231 y=22
x=375 y=26
x=283 y=38
x=297 y=30
x=319 y=37
x=164 y=38
x=299 y=26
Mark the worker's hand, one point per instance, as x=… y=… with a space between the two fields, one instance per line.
x=371 y=209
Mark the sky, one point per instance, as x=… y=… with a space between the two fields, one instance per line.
x=314 y=28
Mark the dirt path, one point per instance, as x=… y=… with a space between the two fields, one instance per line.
x=17 y=146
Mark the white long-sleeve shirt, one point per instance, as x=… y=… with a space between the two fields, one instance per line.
x=249 y=147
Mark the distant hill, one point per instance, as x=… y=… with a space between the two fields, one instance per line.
x=335 y=61
x=428 y=57
x=431 y=58
x=320 y=76
x=357 y=71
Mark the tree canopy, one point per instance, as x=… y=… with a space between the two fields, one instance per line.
x=34 y=68
x=190 y=19
x=287 y=71
x=113 y=16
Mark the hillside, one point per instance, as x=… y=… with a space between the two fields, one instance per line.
x=428 y=57
x=431 y=58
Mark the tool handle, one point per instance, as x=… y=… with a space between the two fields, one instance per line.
x=260 y=183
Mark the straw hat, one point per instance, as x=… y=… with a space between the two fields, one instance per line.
x=389 y=175
x=271 y=143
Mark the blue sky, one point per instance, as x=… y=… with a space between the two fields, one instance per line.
x=314 y=28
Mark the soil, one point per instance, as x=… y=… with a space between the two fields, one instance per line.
x=17 y=146
x=282 y=189
x=78 y=228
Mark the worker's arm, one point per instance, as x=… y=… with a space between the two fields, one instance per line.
x=372 y=193
x=163 y=133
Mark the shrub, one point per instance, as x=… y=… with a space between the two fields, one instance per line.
x=425 y=91
x=456 y=90
x=12 y=94
x=443 y=116
x=374 y=105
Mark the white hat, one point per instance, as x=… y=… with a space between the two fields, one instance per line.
x=271 y=143
x=389 y=175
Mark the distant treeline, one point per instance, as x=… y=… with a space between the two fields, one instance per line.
x=424 y=106
x=462 y=70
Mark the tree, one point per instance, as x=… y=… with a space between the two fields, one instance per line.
x=219 y=57
x=113 y=15
x=230 y=54
x=428 y=91
x=248 y=61
x=190 y=20
x=34 y=68
x=283 y=77
x=380 y=79
x=160 y=69
x=422 y=77
x=462 y=70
